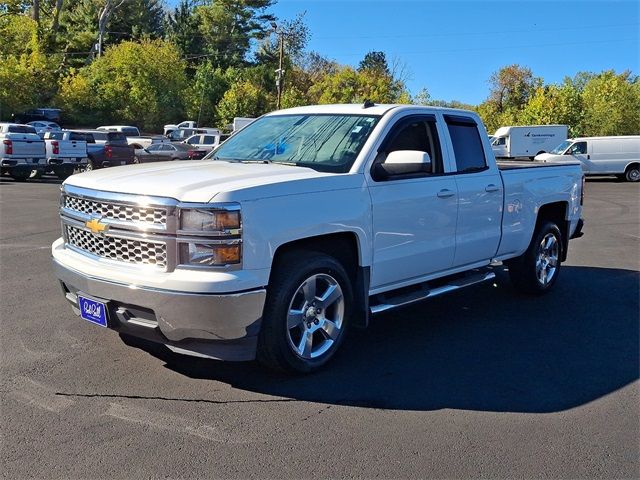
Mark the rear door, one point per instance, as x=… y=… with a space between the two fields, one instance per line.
x=480 y=193
x=414 y=219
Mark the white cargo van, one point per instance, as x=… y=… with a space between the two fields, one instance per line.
x=527 y=140
x=618 y=156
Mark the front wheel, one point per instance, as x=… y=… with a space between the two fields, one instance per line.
x=632 y=173
x=536 y=271
x=90 y=166
x=307 y=312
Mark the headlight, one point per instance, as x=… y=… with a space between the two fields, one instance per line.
x=205 y=220
x=202 y=254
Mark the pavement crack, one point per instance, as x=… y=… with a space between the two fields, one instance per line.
x=189 y=400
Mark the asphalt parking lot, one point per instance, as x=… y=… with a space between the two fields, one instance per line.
x=481 y=383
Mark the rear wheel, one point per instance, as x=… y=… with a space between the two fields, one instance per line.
x=632 y=173
x=90 y=166
x=136 y=159
x=307 y=312
x=63 y=172
x=536 y=271
x=20 y=174
x=36 y=174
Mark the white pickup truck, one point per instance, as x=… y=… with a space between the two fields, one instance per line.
x=22 y=151
x=66 y=152
x=304 y=224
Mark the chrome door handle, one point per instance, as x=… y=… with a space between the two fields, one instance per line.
x=446 y=193
x=491 y=188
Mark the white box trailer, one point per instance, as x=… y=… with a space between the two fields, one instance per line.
x=527 y=140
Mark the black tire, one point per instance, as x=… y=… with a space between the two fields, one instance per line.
x=20 y=174
x=35 y=174
x=524 y=271
x=632 y=173
x=275 y=345
x=63 y=172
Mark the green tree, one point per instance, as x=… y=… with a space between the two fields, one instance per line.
x=511 y=87
x=555 y=104
x=183 y=29
x=207 y=88
x=375 y=62
x=611 y=104
x=28 y=77
x=347 y=85
x=243 y=99
x=229 y=26
x=134 y=82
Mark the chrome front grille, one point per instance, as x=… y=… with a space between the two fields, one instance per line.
x=120 y=212
x=115 y=248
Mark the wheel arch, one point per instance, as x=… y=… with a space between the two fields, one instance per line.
x=344 y=247
x=556 y=212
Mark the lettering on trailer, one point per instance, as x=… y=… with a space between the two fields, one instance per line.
x=529 y=134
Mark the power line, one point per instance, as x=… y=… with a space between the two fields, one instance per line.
x=460 y=34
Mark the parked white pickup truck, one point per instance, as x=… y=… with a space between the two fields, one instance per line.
x=22 y=151
x=304 y=224
x=66 y=152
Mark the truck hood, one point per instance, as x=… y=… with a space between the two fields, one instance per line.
x=189 y=181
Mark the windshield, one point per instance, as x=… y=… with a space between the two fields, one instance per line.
x=328 y=143
x=559 y=150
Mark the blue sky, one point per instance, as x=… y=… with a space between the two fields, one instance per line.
x=452 y=47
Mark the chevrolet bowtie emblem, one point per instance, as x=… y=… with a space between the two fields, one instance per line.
x=95 y=226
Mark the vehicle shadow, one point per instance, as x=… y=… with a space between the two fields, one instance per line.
x=6 y=180
x=486 y=349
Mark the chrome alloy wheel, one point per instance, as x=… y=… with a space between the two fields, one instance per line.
x=315 y=316
x=547 y=259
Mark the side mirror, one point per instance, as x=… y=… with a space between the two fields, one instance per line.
x=402 y=162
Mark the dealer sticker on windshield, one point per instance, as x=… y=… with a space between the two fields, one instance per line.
x=93 y=311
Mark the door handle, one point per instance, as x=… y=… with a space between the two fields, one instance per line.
x=446 y=193
x=491 y=188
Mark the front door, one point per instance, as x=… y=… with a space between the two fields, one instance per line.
x=414 y=219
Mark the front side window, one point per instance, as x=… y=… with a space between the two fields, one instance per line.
x=560 y=149
x=327 y=143
x=579 y=148
x=419 y=135
x=467 y=145
x=500 y=141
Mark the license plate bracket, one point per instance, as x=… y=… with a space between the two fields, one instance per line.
x=92 y=310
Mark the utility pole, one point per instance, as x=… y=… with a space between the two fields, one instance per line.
x=280 y=70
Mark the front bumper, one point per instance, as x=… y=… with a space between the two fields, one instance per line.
x=223 y=326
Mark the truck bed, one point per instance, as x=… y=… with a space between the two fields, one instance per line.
x=517 y=164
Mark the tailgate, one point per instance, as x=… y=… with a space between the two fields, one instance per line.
x=28 y=148
x=73 y=149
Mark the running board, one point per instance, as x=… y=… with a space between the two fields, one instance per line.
x=424 y=292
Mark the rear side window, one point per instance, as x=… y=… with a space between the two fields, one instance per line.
x=117 y=137
x=77 y=136
x=208 y=139
x=133 y=132
x=21 y=129
x=467 y=144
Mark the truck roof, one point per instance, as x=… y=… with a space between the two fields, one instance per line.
x=357 y=109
